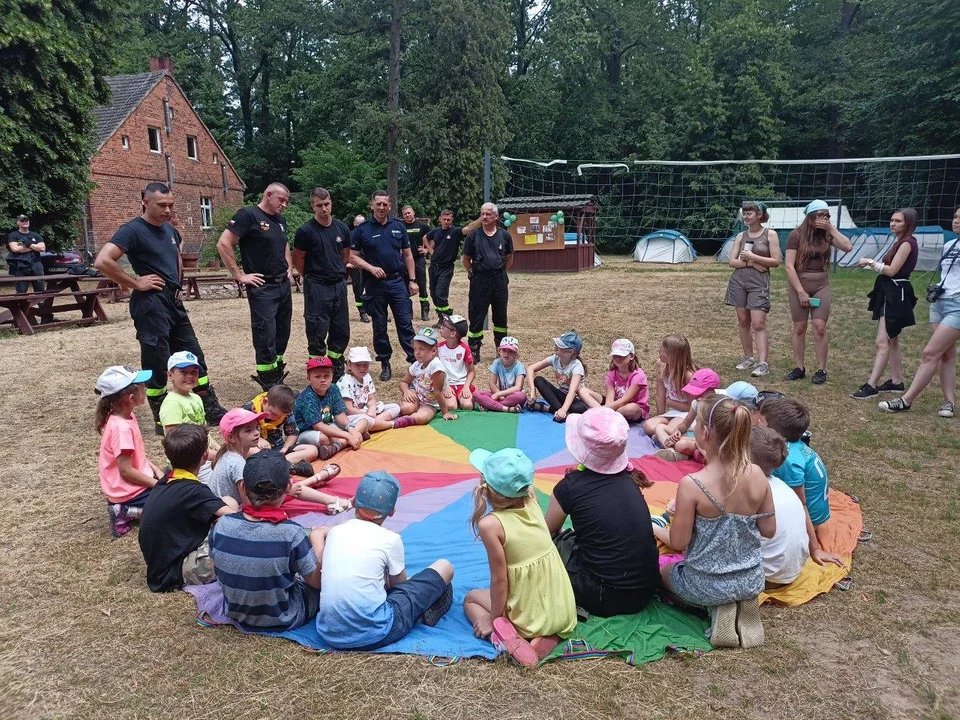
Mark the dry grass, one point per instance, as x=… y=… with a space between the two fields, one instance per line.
x=82 y=637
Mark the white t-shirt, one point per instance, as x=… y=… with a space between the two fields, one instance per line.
x=563 y=374
x=951 y=280
x=785 y=554
x=423 y=381
x=455 y=362
x=357 y=391
x=358 y=557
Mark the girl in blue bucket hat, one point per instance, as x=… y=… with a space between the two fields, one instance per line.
x=569 y=371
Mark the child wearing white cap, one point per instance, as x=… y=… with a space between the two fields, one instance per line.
x=628 y=391
x=507 y=374
x=365 y=412
x=126 y=475
x=424 y=387
x=182 y=406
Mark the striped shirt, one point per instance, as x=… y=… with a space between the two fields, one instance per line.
x=257 y=564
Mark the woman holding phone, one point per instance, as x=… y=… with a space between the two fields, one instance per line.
x=808 y=271
x=756 y=251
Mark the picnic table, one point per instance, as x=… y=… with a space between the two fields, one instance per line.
x=32 y=311
x=192 y=283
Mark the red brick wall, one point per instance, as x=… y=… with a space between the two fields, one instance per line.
x=120 y=175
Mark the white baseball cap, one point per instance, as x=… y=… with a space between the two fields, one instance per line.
x=359 y=354
x=622 y=348
x=182 y=359
x=116 y=378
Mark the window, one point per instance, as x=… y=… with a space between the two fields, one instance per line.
x=125 y=141
x=153 y=135
x=216 y=159
x=191 y=147
x=206 y=213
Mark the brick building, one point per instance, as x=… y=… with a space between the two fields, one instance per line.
x=150 y=133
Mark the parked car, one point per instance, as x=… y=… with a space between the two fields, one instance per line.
x=62 y=261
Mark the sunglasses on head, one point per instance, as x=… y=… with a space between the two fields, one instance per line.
x=767 y=395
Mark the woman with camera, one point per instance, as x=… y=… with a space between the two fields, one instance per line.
x=944 y=299
x=892 y=300
x=808 y=271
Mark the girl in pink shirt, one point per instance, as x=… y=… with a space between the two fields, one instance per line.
x=126 y=476
x=627 y=389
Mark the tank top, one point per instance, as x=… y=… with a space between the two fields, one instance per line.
x=761 y=245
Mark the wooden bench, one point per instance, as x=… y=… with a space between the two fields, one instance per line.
x=192 y=284
x=31 y=312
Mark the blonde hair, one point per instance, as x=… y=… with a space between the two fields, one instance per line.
x=485 y=495
x=730 y=424
x=679 y=360
x=634 y=365
x=231 y=442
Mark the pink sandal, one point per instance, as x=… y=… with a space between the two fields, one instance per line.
x=505 y=638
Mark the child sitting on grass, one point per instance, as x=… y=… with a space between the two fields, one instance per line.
x=126 y=476
x=507 y=374
x=278 y=429
x=424 y=387
x=530 y=604
x=367 y=601
x=364 y=411
x=568 y=370
x=321 y=413
x=627 y=389
x=268 y=568
x=721 y=513
x=178 y=514
x=803 y=470
x=457 y=360
x=182 y=406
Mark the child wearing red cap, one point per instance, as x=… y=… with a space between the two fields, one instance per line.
x=321 y=414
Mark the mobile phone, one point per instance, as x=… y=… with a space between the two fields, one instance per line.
x=814 y=302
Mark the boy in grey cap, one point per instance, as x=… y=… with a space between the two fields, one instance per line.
x=367 y=601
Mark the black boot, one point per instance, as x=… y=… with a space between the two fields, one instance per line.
x=364 y=318
x=475 y=349
x=212 y=409
x=155 y=401
x=424 y=311
x=386 y=372
x=267 y=378
x=339 y=367
x=282 y=369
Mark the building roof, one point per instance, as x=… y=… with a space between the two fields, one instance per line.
x=126 y=94
x=547 y=202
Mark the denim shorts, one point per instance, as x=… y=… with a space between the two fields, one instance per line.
x=410 y=599
x=946 y=310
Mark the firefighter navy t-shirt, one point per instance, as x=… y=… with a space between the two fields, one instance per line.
x=151 y=249
x=446 y=244
x=323 y=247
x=263 y=241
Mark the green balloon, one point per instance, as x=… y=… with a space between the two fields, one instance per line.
x=507 y=222
x=554 y=218
x=560 y=214
x=560 y=219
x=506 y=214
x=513 y=218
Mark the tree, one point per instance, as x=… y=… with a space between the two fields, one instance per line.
x=343 y=171
x=53 y=57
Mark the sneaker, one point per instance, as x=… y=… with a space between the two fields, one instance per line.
x=364 y=318
x=119 y=520
x=302 y=469
x=890 y=386
x=947 y=410
x=760 y=370
x=431 y=616
x=749 y=627
x=865 y=392
x=798 y=373
x=723 y=626
x=819 y=377
x=505 y=638
x=894 y=406
x=748 y=362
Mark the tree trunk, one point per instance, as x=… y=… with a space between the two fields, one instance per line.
x=393 y=102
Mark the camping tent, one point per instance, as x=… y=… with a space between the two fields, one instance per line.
x=874 y=242
x=664 y=246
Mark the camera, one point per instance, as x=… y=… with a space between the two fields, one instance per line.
x=934 y=292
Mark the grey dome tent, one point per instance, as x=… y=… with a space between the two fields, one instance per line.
x=664 y=246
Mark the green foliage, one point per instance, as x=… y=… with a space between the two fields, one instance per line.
x=53 y=55
x=340 y=169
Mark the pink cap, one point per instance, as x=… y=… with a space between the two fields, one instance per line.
x=238 y=417
x=703 y=379
x=598 y=440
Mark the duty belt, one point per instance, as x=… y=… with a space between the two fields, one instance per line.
x=275 y=279
x=390 y=276
x=325 y=281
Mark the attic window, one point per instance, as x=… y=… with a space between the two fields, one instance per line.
x=153 y=135
x=191 y=147
x=125 y=142
x=216 y=159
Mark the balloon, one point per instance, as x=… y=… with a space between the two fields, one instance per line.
x=560 y=220
x=513 y=218
x=553 y=218
x=560 y=214
x=507 y=222
x=506 y=214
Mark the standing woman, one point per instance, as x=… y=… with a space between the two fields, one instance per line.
x=756 y=251
x=808 y=270
x=892 y=300
x=942 y=347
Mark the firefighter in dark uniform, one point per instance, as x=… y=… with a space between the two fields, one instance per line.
x=381 y=248
x=261 y=232
x=23 y=258
x=321 y=249
x=152 y=245
x=417 y=233
x=443 y=244
x=357 y=279
x=487 y=256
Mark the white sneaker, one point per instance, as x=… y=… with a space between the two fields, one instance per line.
x=747 y=363
x=760 y=370
x=947 y=410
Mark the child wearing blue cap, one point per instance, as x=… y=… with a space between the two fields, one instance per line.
x=569 y=371
x=366 y=600
x=529 y=605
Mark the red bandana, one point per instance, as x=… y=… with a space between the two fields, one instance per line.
x=269 y=513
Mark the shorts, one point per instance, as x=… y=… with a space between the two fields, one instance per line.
x=815 y=285
x=946 y=311
x=457 y=389
x=392 y=409
x=313 y=437
x=749 y=289
x=197 y=567
x=410 y=599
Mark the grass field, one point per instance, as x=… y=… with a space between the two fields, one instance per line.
x=82 y=637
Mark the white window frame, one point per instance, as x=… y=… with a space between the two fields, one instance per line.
x=125 y=142
x=206 y=213
x=152 y=133
x=192 y=142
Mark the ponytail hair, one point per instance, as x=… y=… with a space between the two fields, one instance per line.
x=485 y=495
x=227 y=446
x=107 y=404
x=730 y=424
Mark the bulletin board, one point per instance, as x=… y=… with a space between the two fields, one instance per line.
x=535 y=231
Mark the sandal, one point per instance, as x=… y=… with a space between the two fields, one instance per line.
x=332 y=470
x=865 y=536
x=505 y=638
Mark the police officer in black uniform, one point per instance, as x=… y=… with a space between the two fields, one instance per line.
x=487 y=256
x=443 y=244
x=357 y=279
x=23 y=258
x=267 y=272
x=417 y=233
x=321 y=249
x=163 y=327
x=381 y=248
